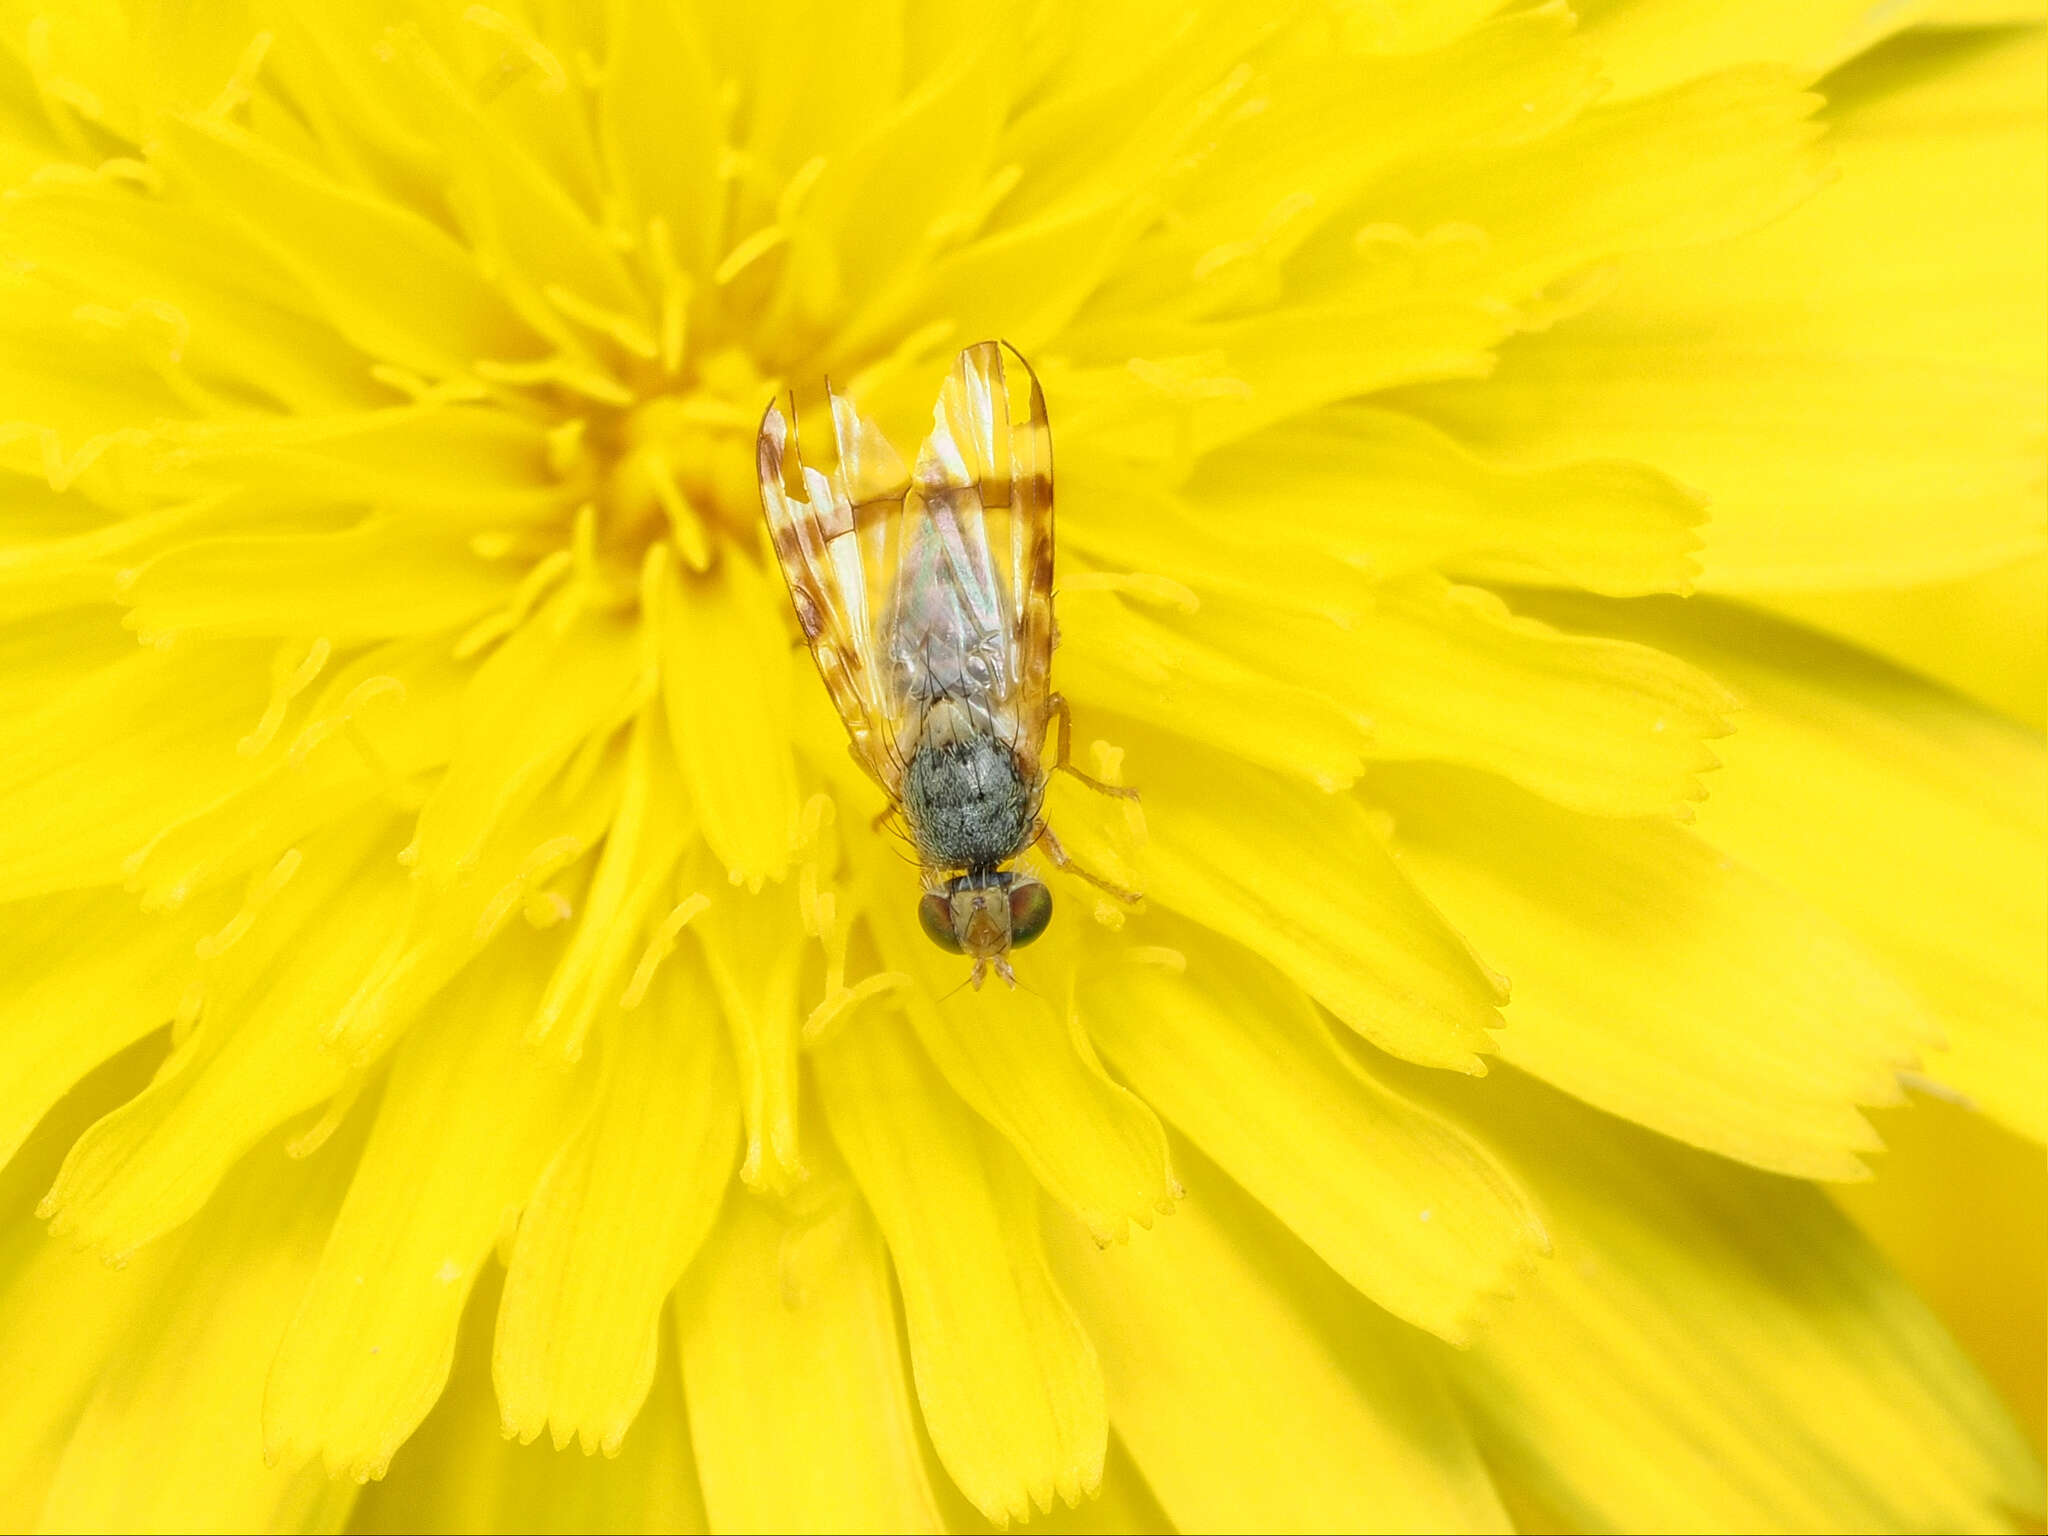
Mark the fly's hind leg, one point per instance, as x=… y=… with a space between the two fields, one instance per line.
x=1055 y=851
x=1063 y=762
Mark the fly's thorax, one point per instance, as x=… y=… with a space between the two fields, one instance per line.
x=966 y=796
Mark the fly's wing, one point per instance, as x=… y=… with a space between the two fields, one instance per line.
x=969 y=615
x=826 y=563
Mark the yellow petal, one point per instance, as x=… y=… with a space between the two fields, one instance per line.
x=64 y=551
x=380 y=722
x=1716 y=1348
x=927 y=156
x=1744 y=137
x=384 y=277
x=1418 y=669
x=1447 y=672
x=1659 y=979
x=257 y=1058
x=1648 y=46
x=1917 y=820
x=1298 y=877
x=519 y=221
x=1393 y=495
x=726 y=671
x=462 y=1474
x=56 y=650
x=1979 y=13
x=1854 y=388
x=753 y=948
x=242 y=316
x=1333 y=121
x=1254 y=1399
x=632 y=883
x=616 y=1217
x=87 y=977
x=1124 y=1507
x=1008 y=1382
x=1980 y=1260
x=554 y=683
x=464 y=464
x=1984 y=635
x=800 y=1406
x=1939 y=143
x=446 y=926
x=1172 y=677
x=1406 y=1208
x=1017 y=1059
x=468 y=1120
x=380 y=578
x=333 y=66
x=62 y=1312
x=81 y=383
x=1225 y=380
x=184 y=1396
x=85 y=61
x=661 y=128
x=113 y=761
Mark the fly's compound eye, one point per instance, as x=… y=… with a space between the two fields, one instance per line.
x=935 y=916
x=1030 y=910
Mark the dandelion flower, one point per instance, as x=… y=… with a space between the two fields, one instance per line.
x=456 y=999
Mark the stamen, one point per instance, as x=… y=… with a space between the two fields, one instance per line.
x=545 y=909
x=80 y=105
x=564 y=371
x=424 y=391
x=623 y=329
x=672 y=286
x=692 y=538
x=545 y=573
x=749 y=251
x=839 y=1005
x=545 y=861
x=797 y=190
x=261 y=891
x=287 y=681
x=535 y=53
x=565 y=444
x=315 y=1136
x=660 y=947
x=241 y=84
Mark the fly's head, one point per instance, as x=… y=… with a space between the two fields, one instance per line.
x=984 y=915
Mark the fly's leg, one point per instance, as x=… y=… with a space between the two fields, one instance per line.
x=1058 y=854
x=1063 y=761
x=888 y=811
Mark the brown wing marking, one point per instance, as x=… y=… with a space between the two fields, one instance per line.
x=1031 y=518
x=871 y=477
x=994 y=414
x=821 y=561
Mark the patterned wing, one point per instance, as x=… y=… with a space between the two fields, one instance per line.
x=938 y=584
x=819 y=544
x=972 y=601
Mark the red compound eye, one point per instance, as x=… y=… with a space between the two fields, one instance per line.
x=935 y=916
x=1030 y=911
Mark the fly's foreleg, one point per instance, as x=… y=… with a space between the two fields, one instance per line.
x=1055 y=851
x=1063 y=758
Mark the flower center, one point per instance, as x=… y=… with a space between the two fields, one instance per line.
x=678 y=464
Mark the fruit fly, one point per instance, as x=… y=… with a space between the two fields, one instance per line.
x=925 y=596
